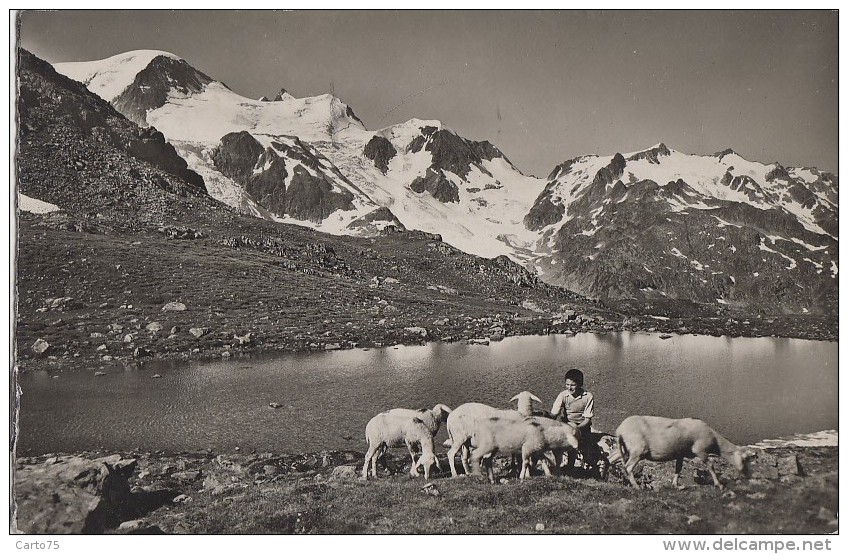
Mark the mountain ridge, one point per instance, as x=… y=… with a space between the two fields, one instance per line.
x=422 y=175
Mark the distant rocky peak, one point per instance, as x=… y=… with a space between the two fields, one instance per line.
x=152 y=85
x=562 y=169
x=453 y=153
x=778 y=173
x=652 y=154
x=338 y=108
x=725 y=152
x=611 y=172
x=283 y=95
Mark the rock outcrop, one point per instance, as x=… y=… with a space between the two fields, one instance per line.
x=437 y=185
x=380 y=151
x=72 y=495
x=287 y=178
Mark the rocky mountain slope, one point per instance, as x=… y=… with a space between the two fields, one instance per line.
x=660 y=224
x=645 y=229
x=77 y=152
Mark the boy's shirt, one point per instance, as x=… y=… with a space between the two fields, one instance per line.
x=577 y=408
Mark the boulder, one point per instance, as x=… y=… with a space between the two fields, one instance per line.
x=73 y=495
x=54 y=303
x=764 y=465
x=174 y=307
x=789 y=465
x=141 y=352
x=344 y=472
x=197 y=332
x=154 y=327
x=420 y=331
x=40 y=346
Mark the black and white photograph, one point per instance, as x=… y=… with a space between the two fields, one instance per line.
x=425 y=272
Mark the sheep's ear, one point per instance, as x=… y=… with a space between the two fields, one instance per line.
x=514 y=398
x=536 y=398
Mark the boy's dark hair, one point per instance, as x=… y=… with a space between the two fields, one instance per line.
x=575 y=375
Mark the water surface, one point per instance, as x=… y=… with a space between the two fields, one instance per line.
x=747 y=388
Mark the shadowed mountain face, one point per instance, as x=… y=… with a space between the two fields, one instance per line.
x=304 y=191
x=729 y=232
x=76 y=151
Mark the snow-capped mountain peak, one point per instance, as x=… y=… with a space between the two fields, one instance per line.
x=109 y=77
x=402 y=134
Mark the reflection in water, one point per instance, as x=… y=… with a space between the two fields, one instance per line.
x=747 y=388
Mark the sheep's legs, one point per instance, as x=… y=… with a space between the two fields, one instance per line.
x=710 y=468
x=490 y=470
x=371 y=457
x=546 y=467
x=465 y=452
x=414 y=469
x=678 y=467
x=476 y=462
x=556 y=455
x=455 y=447
x=629 y=466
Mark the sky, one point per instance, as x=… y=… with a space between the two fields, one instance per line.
x=543 y=86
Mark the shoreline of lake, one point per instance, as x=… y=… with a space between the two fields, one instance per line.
x=481 y=330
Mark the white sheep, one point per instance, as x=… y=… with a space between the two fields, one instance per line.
x=662 y=439
x=525 y=401
x=461 y=424
x=401 y=426
x=560 y=437
x=530 y=437
x=524 y=406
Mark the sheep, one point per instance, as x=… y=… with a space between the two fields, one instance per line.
x=387 y=429
x=661 y=439
x=529 y=436
x=461 y=423
x=560 y=436
x=524 y=406
x=605 y=451
x=525 y=402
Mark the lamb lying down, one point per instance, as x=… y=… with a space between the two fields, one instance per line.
x=661 y=439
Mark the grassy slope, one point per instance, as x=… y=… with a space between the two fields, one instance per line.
x=321 y=291
x=299 y=500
